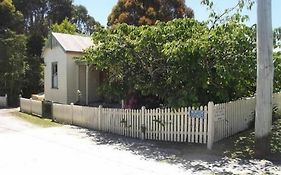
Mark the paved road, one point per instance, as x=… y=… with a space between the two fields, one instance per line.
x=8 y=123
x=27 y=149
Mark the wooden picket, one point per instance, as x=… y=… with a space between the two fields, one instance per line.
x=4 y=101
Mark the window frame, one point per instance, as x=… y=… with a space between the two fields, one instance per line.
x=54 y=74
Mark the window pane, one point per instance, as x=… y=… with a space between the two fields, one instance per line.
x=55 y=75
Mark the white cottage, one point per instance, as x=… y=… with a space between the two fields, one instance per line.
x=63 y=75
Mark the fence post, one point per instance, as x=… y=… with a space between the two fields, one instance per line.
x=122 y=104
x=30 y=101
x=99 y=116
x=142 y=123
x=6 y=101
x=71 y=104
x=211 y=128
x=20 y=102
x=52 y=111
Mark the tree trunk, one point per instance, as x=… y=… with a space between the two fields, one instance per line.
x=265 y=71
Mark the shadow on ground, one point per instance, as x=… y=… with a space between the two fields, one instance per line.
x=194 y=157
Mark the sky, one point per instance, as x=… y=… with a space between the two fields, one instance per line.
x=100 y=9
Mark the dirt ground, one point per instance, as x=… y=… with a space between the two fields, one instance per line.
x=28 y=149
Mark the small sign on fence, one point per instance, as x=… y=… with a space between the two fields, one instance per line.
x=220 y=114
x=197 y=114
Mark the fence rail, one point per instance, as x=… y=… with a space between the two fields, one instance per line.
x=204 y=125
x=3 y=101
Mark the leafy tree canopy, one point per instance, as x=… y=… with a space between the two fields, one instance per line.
x=141 y=12
x=229 y=14
x=12 y=62
x=39 y=15
x=84 y=22
x=12 y=49
x=182 y=62
x=59 y=10
x=64 y=27
x=10 y=18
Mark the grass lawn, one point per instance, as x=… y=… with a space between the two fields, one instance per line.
x=41 y=122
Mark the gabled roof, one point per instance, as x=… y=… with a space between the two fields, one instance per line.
x=73 y=43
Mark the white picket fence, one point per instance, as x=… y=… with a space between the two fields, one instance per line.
x=205 y=125
x=4 y=101
x=234 y=117
x=31 y=106
x=153 y=124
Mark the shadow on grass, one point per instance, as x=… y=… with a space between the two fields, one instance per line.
x=194 y=157
x=35 y=120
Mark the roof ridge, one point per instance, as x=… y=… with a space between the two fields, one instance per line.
x=73 y=43
x=79 y=35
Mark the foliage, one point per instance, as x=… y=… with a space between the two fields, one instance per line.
x=182 y=62
x=277 y=38
x=59 y=10
x=229 y=14
x=12 y=49
x=139 y=12
x=277 y=72
x=34 y=66
x=231 y=62
x=34 y=14
x=10 y=17
x=84 y=22
x=12 y=61
x=64 y=27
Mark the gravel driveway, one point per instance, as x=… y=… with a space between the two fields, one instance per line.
x=27 y=149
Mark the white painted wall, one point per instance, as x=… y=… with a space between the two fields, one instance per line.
x=82 y=83
x=72 y=77
x=56 y=54
x=94 y=82
x=69 y=77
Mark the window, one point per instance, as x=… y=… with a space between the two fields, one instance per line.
x=55 y=75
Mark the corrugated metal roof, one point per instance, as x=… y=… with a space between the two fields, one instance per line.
x=73 y=43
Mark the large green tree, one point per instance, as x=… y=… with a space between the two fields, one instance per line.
x=36 y=25
x=34 y=13
x=181 y=62
x=12 y=49
x=65 y=27
x=84 y=22
x=12 y=61
x=10 y=17
x=141 y=12
x=59 y=10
